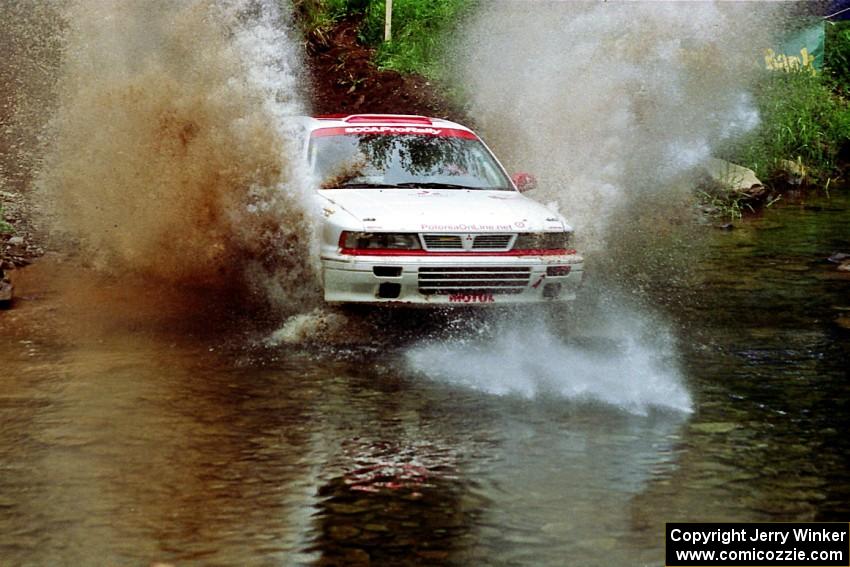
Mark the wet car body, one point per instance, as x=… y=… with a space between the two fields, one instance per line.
x=418 y=211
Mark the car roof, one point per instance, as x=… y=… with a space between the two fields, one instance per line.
x=348 y=120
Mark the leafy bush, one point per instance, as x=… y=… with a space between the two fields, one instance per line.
x=837 y=55
x=5 y=227
x=801 y=120
x=420 y=30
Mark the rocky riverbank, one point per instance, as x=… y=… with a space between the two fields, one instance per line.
x=20 y=242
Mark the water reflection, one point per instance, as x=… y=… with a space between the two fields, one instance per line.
x=396 y=505
x=440 y=474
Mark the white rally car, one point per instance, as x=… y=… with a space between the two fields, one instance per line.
x=418 y=211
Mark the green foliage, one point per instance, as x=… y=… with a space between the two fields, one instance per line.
x=5 y=227
x=801 y=120
x=729 y=205
x=837 y=55
x=421 y=29
x=319 y=15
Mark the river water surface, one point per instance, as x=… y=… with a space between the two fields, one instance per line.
x=138 y=427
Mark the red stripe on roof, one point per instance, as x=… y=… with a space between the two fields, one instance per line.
x=392 y=118
x=400 y=130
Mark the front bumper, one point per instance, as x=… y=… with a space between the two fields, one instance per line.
x=447 y=280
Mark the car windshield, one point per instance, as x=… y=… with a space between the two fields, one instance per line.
x=387 y=161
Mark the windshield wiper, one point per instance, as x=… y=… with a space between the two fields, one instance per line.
x=412 y=185
x=435 y=185
x=359 y=185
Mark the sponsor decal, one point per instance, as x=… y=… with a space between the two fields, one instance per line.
x=465 y=227
x=540 y=281
x=519 y=224
x=472 y=298
x=392 y=130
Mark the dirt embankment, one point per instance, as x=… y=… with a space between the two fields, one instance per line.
x=345 y=80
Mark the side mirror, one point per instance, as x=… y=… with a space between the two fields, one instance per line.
x=524 y=181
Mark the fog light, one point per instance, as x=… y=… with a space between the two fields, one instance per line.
x=389 y=290
x=558 y=270
x=387 y=271
x=551 y=290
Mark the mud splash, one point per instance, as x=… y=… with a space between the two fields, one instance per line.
x=169 y=154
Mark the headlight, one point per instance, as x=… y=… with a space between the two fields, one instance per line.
x=542 y=240
x=379 y=241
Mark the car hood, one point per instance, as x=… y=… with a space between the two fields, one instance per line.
x=452 y=210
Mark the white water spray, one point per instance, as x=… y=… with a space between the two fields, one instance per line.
x=608 y=102
x=627 y=364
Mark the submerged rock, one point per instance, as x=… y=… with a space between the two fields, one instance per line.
x=5 y=289
x=714 y=427
x=343 y=532
x=794 y=171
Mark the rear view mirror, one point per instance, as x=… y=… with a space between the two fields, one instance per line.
x=524 y=181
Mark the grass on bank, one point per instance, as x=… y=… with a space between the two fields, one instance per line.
x=837 y=56
x=802 y=120
x=317 y=16
x=421 y=30
x=804 y=133
x=802 y=139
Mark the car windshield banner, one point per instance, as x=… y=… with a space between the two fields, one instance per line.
x=801 y=50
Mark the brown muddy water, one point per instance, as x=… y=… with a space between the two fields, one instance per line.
x=137 y=427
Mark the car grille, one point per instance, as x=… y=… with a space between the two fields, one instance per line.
x=491 y=242
x=443 y=242
x=467 y=241
x=485 y=279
